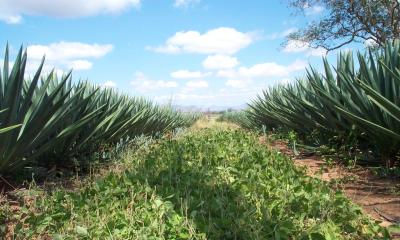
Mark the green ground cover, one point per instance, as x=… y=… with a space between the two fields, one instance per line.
x=210 y=183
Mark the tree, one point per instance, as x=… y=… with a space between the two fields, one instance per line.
x=346 y=21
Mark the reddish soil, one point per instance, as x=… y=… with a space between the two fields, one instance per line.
x=378 y=197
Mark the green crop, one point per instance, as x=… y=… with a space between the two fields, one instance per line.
x=343 y=101
x=206 y=184
x=238 y=117
x=6 y=129
x=51 y=119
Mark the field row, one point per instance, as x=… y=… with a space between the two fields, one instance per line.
x=353 y=106
x=206 y=184
x=47 y=121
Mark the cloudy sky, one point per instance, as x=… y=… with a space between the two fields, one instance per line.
x=190 y=52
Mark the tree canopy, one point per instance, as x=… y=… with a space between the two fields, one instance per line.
x=346 y=21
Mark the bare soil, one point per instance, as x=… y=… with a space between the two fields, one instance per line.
x=378 y=197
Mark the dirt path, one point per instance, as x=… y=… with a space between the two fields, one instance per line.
x=378 y=197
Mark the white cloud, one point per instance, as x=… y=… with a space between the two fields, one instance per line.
x=68 y=50
x=143 y=83
x=246 y=76
x=220 y=62
x=297 y=46
x=268 y=69
x=370 y=43
x=288 y=31
x=236 y=83
x=193 y=85
x=185 y=74
x=66 y=55
x=33 y=65
x=216 y=41
x=283 y=34
x=213 y=99
x=271 y=69
x=197 y=84
x=184 y=3
x=11 y=11
x=297 y=65
x=184 y=97
x=294 y=46
x=290 y=22
x=109 y=84
x=285 y=81
x=314 y=10
x=316 y=52
x=80 y=65
x=230 y=73
x=11 y=19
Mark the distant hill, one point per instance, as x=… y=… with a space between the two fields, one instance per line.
x=212 y=108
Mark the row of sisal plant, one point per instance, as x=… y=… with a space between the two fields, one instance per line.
x=50 y=119
x=237 y=117
x=358 y=99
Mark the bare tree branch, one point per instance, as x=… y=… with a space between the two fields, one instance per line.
x=347 y=21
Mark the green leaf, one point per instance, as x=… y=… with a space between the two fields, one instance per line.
x=82 y=231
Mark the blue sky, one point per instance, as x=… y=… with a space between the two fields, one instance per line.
x=190 y=52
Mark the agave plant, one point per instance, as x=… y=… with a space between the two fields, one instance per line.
x=345 y=101
x=6 y=129
x=39 y=108
x=370 y=97
x=238 y=117
x=51 y=119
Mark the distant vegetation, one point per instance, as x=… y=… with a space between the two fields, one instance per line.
x=354 y=104
x=238 y=117
x=48 y=121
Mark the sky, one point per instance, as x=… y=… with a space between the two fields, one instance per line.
x=185 y=52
